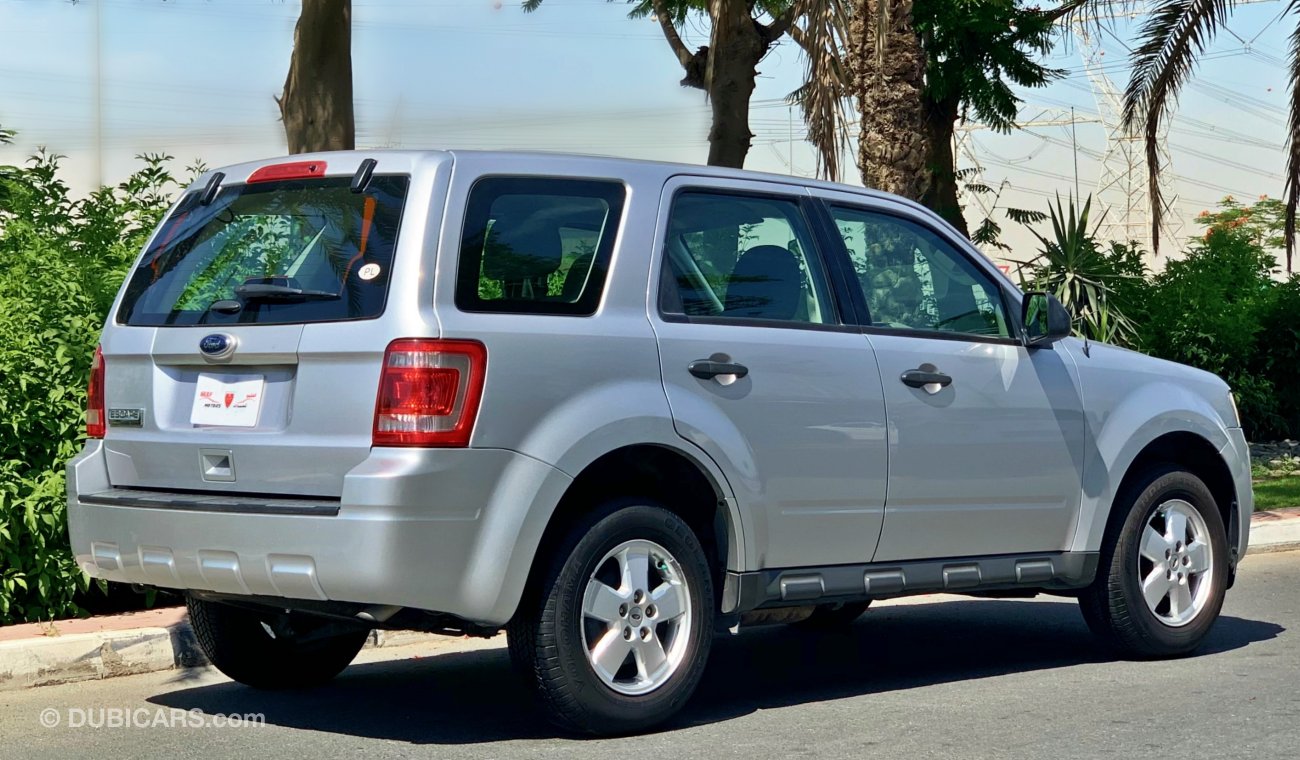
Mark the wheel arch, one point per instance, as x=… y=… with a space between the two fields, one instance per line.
x=1154 y=419
x=1190 y=451
x=682 y=482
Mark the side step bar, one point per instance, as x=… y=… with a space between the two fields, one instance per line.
x=794 y=587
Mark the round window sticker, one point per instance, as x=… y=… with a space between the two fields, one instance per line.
x=368 y=272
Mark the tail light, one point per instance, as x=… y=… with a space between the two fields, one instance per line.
x=429 y=392
x=95 y=418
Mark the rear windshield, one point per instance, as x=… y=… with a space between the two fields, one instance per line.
x=267 y=253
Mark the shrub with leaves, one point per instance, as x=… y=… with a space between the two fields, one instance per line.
x=1263 y=220
x=1209 y=311
x=61 y=262
x=1083 y=275
x=1277 y=355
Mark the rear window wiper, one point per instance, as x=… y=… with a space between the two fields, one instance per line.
x=270 y=292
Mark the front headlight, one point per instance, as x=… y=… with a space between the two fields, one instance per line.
x=1236 y=415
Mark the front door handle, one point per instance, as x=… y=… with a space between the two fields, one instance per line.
x=919 y=378
x=706 y=369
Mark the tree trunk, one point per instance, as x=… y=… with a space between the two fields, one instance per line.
x=887 y=65
x=941 y=195
x=736 y=44
x=317 y=103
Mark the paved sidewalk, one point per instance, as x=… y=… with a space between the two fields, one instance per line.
x=65 y=651
x=1277 y=530
x=159 y=618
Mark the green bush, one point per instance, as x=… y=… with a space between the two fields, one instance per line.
x=1098 y=286
x=61 y=262
x=1278 y=354
x=1209 y=311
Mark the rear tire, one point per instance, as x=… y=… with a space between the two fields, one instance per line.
x=1163 y=570
x=616 y=635
x=237 y=642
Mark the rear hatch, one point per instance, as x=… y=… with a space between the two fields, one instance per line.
x=245 y=352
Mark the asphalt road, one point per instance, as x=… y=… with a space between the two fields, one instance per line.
x=953 y=679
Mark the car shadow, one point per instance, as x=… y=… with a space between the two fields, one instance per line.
x=475 y=697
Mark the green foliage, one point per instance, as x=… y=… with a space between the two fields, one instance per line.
x=977 y=49
x=1075 y=268
x=988 y=233
x=1264 y=221
x=1278 y=354
x=1277 y=493
x=1209 y=311
x=61 y=262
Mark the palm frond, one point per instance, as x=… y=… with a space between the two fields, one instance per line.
x=1071 y=9
x=1172 y=38
x=824 y=96
x=1292 y=144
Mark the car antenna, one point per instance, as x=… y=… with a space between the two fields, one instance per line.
x=361 y=180
x=210 y=192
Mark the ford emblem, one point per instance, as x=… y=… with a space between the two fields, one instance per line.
x=217 y=345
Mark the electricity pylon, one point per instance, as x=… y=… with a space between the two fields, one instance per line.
x=1123 y=195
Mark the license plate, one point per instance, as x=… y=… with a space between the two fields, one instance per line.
x=228 y=400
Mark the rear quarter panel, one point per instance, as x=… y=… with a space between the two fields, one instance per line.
x=567 y=390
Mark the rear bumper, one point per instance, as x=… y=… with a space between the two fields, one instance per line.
x=449 y=530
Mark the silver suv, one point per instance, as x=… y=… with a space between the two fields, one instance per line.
x=614 y=407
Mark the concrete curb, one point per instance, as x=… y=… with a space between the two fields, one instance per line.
x=85 y=656
x=48 y=660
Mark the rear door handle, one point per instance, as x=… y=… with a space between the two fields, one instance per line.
x=919 y=378
x=706 y=369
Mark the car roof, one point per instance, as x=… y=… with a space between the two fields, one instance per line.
x=411 y=160
x=666 y=168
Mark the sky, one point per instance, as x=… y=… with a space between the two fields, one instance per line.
x=196 y=79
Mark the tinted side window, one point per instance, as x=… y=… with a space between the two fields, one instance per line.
x=742 y=257
x=912 y=278
x=537 y=245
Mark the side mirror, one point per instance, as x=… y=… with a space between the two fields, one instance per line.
x=1045 y=319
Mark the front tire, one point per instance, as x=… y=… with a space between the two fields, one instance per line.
x=1163 y=571
x=616 y=636
x=245 y=646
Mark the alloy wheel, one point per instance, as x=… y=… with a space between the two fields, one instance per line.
x=1175 y=563
x=636 y=617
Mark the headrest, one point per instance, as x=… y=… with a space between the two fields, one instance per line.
x=521 y=249
x=766 y=283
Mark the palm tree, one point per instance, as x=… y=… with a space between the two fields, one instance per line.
x=914 y=68
x=1171 y=39
x=316 y=105
x=726 y=68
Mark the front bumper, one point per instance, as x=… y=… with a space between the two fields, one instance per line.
x=449 y=530
x=1236 y=453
